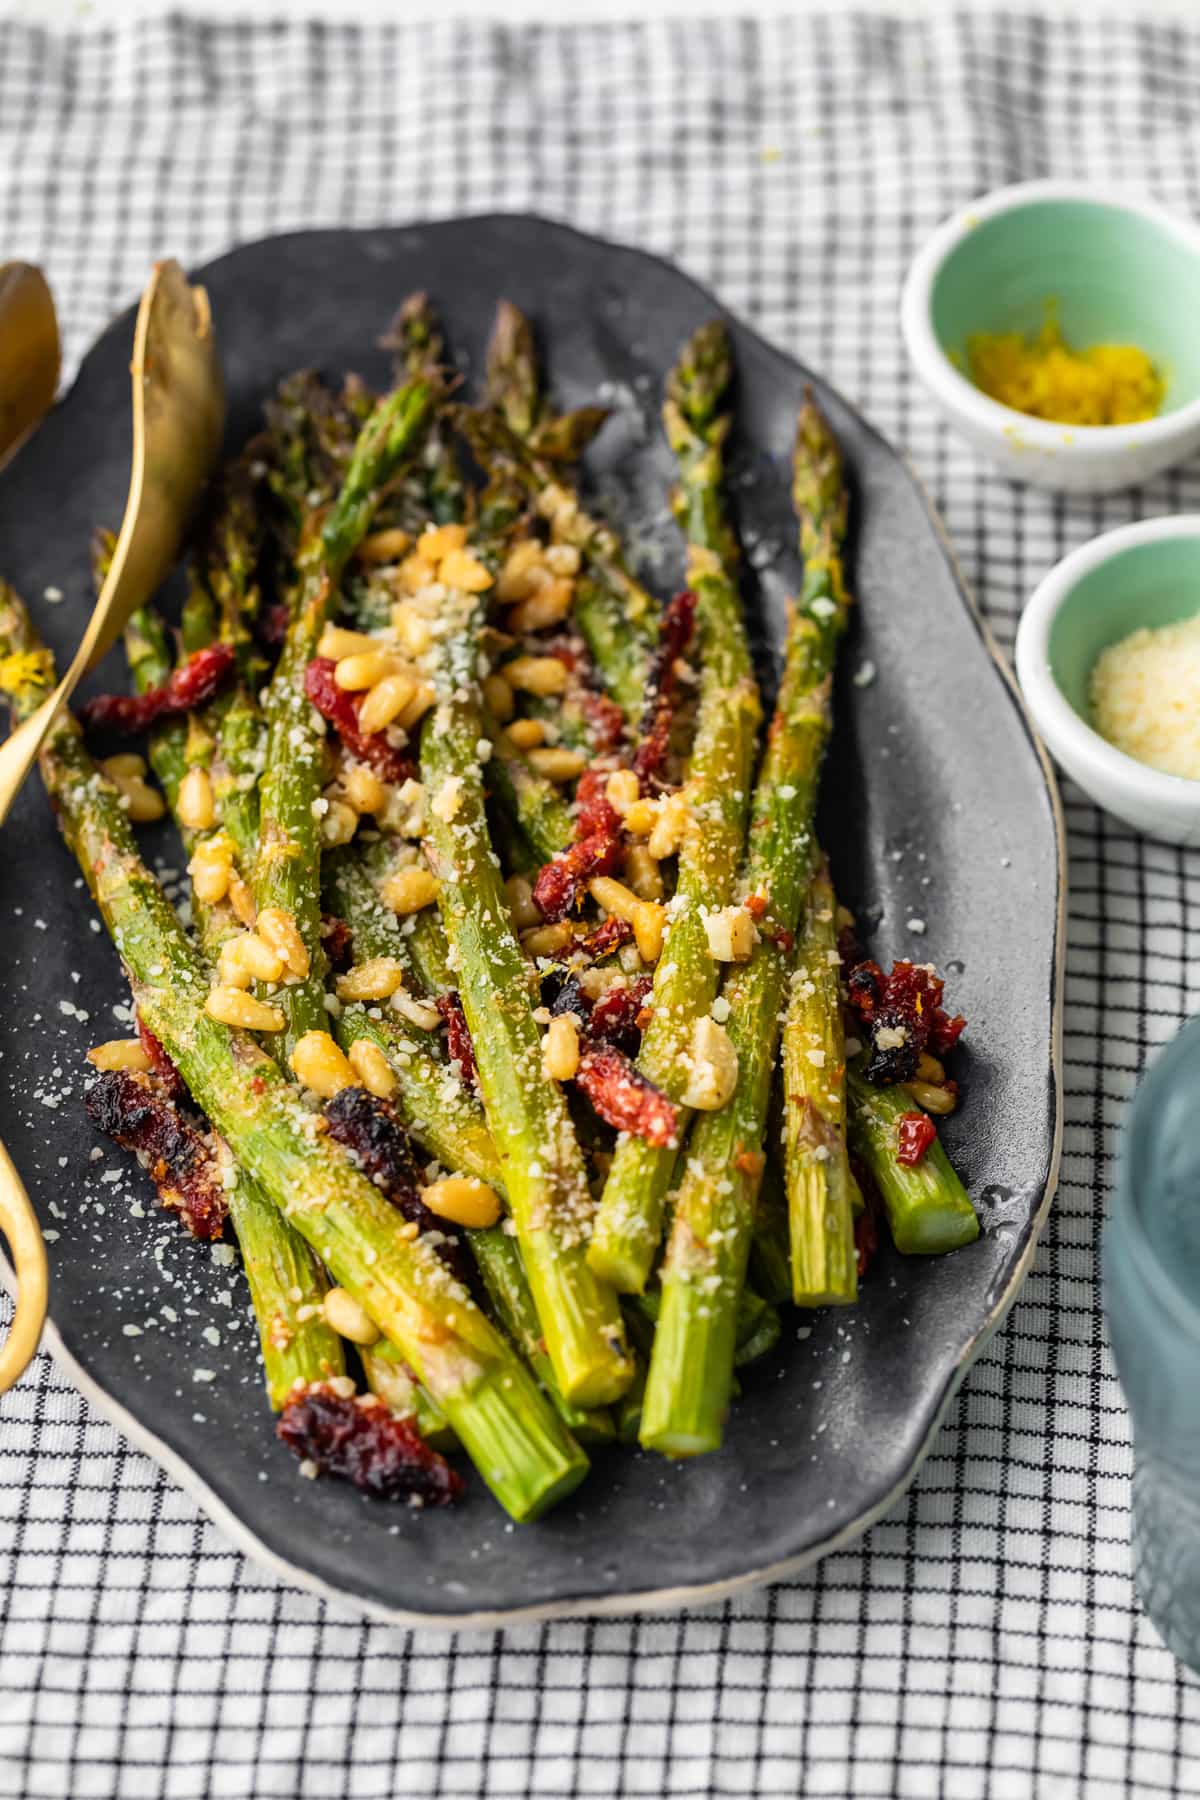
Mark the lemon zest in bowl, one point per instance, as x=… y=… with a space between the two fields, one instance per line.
x=1044 y=376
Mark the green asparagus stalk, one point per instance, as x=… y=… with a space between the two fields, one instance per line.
x=929 y=1211
x=819 y=1182
x=515 y=1438
x=688 y=1388
x=286 y=1282
x=542 y=1167
x=513 y=383
x=629 y=1222
x=286 y=873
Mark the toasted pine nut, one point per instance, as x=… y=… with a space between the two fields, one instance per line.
x=465 y=572
x=418 y=706
x=363 y=789
x=372 y=1068
x=120 y=1053
x=560 y=1048
x=557 y=763
x=366 y=668
x=551 y=499
x=127 y=765
x=211 y=868
x=521 y=562
x=930 y=1069
x=640 y=817
x=536 y=674
x=320 y=1065
x=344 y=1315
x=241 y=900
x=197 y=806
x=337 y=643
x=670 y=828
x=246 y=958
x=643 y=873
x=548 y=940
x=649 y=927
x=498 y=698
x=933 y=1099
x=527 y=734
x=408 y=890
x=437 y=541
x=714 y=1066
x=615 y=898
x=622 y=788
x=463 y=1200
x=421 y=1013
x=412 y=631
x=385 y=701
x=230 y=1006
x=562 y=559
x=281 y=932
x=525 y=913
x=339 y=823
x=376 y=979
x=548 y=606
x=383 y=546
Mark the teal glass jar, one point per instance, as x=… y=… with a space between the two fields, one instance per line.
x=1152 y=1303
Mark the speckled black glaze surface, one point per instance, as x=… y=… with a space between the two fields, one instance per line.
x=936 y=809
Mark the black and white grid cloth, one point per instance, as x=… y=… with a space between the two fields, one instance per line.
x=982 y=1642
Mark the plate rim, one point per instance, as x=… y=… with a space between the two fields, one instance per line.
x=649 y=1600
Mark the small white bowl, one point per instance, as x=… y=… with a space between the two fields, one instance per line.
x=1144 y=574
x=1119 y=269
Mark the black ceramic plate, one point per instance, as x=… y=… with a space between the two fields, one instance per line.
x=942 y=825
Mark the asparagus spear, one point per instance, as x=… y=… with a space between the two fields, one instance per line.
x=705 y=1264
x=819 y=1183
x=928 y=1209
x=286 y=1281
x=629 y=1221
x=514 y=1437
x=542 y=1166
x=513 y=382
x=286 y=871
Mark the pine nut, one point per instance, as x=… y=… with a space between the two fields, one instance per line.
x=348 y=1318
x=560 y=1048
x=498 y=698
x=120 y=1053
x=464 y=1201
x=320 y=1065
x=413 y=633
x=364 y=670
x=229 y=1006
x=282 y=933
x=241 y=900
x=246 y=958
x=383 y=546
x=337 y=643
x=465 y=572
x=548 y=606
x=525 y=912
x=615 y=898
x=421 y=1013
x=562 y=559
x=363 y=789
x=197 y=806
x=142 y=803
x=930 y=1069
x=339 y=823
x=622 y=788
x=409 y=890
x=649 y=928
x=933 y=1099
x=536 y=674
x=372 y=1068
x=548 y=940
x=417 y=707
x=556 y=763
x=670 y=827
x=640 y=817
x=527 y=734
x=127 y=765
x=376 y=979
x=211 y=868
x=643 y=873
x=437 y=541
x=520 y=564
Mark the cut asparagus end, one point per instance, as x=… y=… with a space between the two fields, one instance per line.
x=928 y=1209
x=520 y=1447
x=821 y=1226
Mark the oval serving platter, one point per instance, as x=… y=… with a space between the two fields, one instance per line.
x=942 y=823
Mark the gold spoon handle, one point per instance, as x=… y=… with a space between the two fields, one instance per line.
x=18 y=1222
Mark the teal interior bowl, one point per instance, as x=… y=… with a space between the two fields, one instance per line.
x=1115 y=275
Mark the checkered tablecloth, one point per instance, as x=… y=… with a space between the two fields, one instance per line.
x=983 y=1641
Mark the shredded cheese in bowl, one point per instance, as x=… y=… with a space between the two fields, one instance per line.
x=1145 y=697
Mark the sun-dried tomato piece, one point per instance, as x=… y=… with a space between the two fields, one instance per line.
x=616 y=1014
x=674 y=635
x=341 y=709
x=194 y=683
x=944 y=1032
x=916 y=1133
x=164 y=1068
x=901 y=1014
x=136 y=1112
x=337 y=941
x=272 y=624
x=624 y=1098
x=458 y=1037
x=361 y=1441
x=606 y=938
x=598 y=850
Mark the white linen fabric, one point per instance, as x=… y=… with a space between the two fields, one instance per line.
x=983 y=1641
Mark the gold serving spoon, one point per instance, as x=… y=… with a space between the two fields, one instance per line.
x=30 y=356
x=178 y=423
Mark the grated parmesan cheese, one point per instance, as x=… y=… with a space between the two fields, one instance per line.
x=1145 y=696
